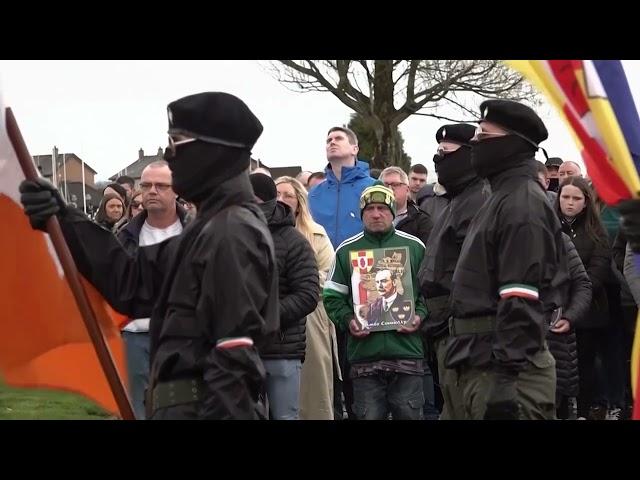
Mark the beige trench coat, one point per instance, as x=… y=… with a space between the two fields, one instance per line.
x=316 y=380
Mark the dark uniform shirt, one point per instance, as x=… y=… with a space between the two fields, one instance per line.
x=215 y=282
x=442 y=251
x=511 y=264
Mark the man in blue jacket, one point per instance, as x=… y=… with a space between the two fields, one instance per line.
x=335 y=204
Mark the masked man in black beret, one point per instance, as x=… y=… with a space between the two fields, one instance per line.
x=212 y=291
x=466 y=192
x=505 y=284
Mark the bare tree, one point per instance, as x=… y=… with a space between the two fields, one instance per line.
x=386 y=92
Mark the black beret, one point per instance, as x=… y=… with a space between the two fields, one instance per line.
x=516 y=117
x=263 y=186
x=553 y=162
x=456 y=132
x=215 y=117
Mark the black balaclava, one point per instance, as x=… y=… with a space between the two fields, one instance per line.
x=454 y=169
x=554 y=184
x=197 y=168
x=494 y=155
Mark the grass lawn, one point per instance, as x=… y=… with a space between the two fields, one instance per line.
x=28 y=404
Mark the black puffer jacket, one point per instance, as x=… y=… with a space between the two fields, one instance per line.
x=298 y=287
x=596 y=258
x=577 y=302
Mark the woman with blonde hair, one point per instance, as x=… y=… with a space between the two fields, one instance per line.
x=316 y=380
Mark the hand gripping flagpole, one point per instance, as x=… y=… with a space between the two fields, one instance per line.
x=73 y=277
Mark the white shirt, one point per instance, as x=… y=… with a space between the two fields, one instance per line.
x=150 y=236
x=386 y=302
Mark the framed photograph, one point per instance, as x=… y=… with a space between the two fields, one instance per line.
x=382 y=287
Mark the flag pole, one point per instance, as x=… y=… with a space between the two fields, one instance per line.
x=73 y=277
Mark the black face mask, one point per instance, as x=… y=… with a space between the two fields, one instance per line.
x=268 y=208
x=491 y=156
x=198 y=168
x=554 y=183
x=454 y=169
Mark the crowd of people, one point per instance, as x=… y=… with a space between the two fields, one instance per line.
x=504 y=290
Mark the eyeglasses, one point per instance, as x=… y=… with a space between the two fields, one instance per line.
x=482 y=135
x=216 y=141
x=160 y=187
x=445 y=150
x=394 y=185
x=173 y=144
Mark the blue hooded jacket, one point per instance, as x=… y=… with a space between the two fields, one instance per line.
x=335 y=204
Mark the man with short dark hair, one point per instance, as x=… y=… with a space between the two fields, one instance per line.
x=128 y=183
x=314 y=179
x=335 y=204
x=544 y=180
x=417 y=179
x=552 y=164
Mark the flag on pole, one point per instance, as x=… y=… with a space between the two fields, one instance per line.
x=44 y=342
x=594 y=98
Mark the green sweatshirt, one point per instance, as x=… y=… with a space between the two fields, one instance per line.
x=338 y=300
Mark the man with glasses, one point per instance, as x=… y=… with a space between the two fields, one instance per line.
x=161 y=218
x=409 y=218
x=212 y=291
x=505 y=281
x=466 y=194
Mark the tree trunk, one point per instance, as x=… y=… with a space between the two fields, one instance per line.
x=386 y=152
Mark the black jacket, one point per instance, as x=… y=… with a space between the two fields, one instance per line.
x=511 y=265
x=417 y=222
x=596 y=258
x=434 y=205
x=578 y=292
x=298 y=286
x=217 y=280
x=129 y=235
x=442 y=252
x=576 y=302
x=619 y=249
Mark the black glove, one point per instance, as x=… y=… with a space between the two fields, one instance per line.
x=630 y=222
x=41 y=200
x=502 y=401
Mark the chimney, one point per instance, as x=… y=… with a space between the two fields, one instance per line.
x=160 y=152
x=140 y=154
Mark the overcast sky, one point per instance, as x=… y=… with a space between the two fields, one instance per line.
x=104 y=111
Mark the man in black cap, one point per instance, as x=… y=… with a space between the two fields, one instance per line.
x=553 y=164
x=212 y=291
x=506 y=280
x=433 y=197
x=466 y=192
